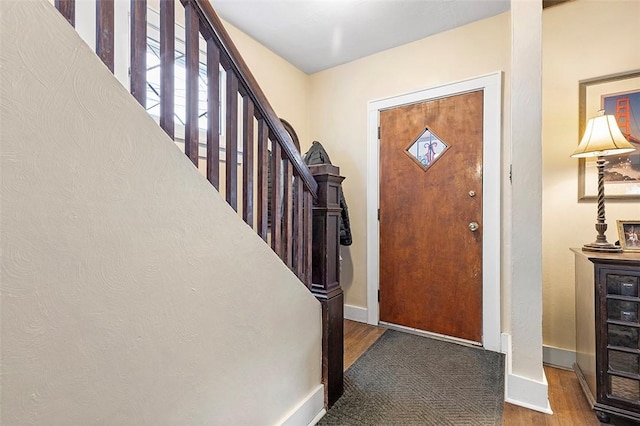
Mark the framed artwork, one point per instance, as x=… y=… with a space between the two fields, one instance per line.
x=629 y=235
x=617 y=95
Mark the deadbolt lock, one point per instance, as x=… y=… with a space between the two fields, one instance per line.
x=472 y=193
x=473 y=226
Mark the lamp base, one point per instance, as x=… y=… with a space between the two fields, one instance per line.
x=602 y=247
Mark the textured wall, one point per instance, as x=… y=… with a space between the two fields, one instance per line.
x=526 y=187
x=131 y=293
x=525 y=361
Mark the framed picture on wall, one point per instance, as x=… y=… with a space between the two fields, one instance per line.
x=617 y=95
x=629 y=235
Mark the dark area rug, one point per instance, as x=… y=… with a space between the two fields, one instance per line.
x=405 y=379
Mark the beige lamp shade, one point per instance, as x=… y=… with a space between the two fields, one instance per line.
x=601 y=138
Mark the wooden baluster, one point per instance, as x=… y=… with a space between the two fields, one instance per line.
x=192 y=64
x=167 y=65
x=139 y=51
x=276 y=206
x=308 y=236
x=263 y=165
x=232 y=140
x=287 y=200
x=326 y=277
x=298 y=226
x=67 y=8
x=294 y=217
x=263 y=108
x=104 y=32
x=247 y=161
x=213 y=113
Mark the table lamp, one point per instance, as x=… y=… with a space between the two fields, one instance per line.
x=601 y=138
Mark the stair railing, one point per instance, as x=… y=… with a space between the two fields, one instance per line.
x=290 y=208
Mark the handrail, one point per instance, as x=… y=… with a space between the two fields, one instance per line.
x=248 y=82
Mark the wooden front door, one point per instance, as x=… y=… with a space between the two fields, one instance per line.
x=431 y=216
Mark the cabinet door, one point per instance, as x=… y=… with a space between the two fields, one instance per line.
x=618 y=343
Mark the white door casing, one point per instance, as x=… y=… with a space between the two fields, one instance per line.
x=491 y=84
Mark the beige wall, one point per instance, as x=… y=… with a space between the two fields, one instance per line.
x=339 y=99
x=285 y=86
x=131 y=293
x=581 y=40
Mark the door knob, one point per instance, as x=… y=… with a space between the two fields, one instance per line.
x=472 y=193
x=473 y=226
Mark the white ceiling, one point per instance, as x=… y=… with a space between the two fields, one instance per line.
x=315 y=35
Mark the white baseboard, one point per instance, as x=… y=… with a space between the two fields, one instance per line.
x=355 y=313
x=318 y=417
x=523 y=391
x=528 y=393
x=558 y=357
x=308 y=412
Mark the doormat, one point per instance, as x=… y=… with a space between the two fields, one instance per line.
x=404 y=379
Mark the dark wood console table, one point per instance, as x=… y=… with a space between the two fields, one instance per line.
x=608 y=332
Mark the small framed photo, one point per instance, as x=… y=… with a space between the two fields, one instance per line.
x=629 y=234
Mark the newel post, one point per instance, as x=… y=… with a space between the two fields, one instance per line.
x=325 y=277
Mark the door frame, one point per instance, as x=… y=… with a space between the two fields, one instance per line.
x=491 y=190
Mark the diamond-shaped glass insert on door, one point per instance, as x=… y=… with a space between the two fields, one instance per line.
x=426 y=149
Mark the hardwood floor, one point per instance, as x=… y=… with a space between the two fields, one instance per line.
x=357 y=339
x=569 y=405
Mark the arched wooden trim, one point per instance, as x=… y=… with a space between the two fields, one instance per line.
x=294 y=136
